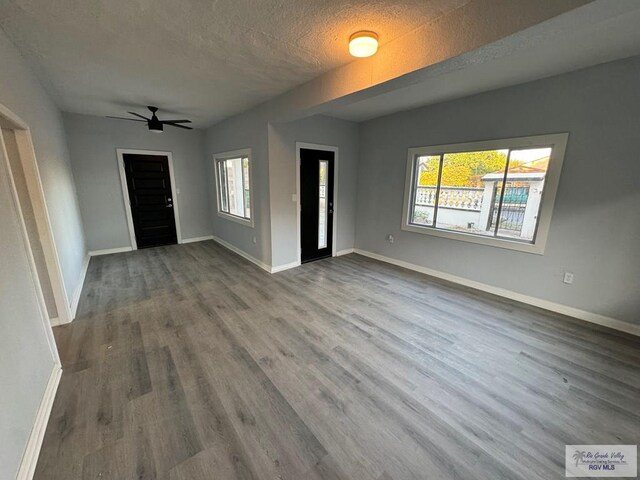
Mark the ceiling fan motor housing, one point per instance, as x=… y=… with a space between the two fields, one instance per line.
x=154 y=124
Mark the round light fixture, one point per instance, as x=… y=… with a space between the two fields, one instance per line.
x=363 y=44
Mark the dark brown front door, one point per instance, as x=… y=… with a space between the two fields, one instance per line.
x=149 y=184
x=316 y=204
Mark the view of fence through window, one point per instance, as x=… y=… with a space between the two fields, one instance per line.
x=233 y=186
x=495 y=193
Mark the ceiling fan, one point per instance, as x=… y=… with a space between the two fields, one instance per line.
x=154 y=123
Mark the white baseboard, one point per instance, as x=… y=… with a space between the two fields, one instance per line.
x=197 y=239
x=264 y=266
x=242 y=253
x=286 y=266
x=254 y=260
x=536 y=302
x=78 y=290
x=109 y=251
x=32 y=450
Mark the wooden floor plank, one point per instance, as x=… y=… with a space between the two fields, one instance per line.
x=188 y=362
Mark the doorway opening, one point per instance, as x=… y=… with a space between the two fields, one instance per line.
x=150 y=198
x=316 y=196
x=16 y=146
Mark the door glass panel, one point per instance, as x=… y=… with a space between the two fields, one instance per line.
x=322 y=205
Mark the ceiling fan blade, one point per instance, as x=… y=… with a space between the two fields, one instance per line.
x=138 y=115
x=176 y=121
x=178 y=126
x=125 y=118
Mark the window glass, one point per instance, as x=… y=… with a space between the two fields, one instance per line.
x=462 y=190
x=426 y=188
x=234 y=188
x=245 y=183
x=518 y=214
x=322 y=204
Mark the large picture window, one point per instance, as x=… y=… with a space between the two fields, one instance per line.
x=233 y=184
x=498 y=192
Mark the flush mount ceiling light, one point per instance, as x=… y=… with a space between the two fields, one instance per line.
x=363 y=44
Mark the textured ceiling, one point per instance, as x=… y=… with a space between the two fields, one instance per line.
x=600 y=32
x=203 y=59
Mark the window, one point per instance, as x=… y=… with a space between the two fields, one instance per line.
x=233 y=182
x=498 y=193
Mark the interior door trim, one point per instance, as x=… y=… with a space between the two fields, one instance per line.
x=27 y=155
x=120 y=152
x=336 y=203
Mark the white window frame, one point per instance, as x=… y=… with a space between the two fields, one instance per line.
x=221 y=157
x=558 y=143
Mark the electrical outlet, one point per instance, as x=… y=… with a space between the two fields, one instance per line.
x=254 y=240
x=568 y=278
x=390 y=238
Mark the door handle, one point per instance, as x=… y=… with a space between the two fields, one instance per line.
x=169 y=206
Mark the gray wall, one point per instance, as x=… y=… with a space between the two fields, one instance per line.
x=282 y=176
x=274 y=179
x=248 y=130
x=92 y=146
x=27 y=357
x=595 y=228
x=22 y=94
